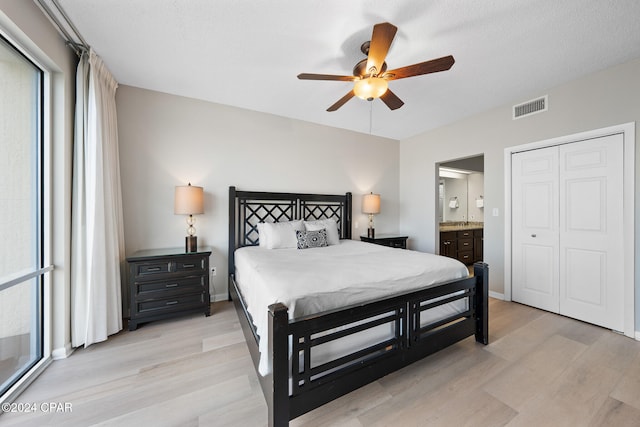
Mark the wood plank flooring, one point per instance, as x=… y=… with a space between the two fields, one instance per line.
x=540 y=369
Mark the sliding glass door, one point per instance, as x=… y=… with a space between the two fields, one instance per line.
x=22 y=267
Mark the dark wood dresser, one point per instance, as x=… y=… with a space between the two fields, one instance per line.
x=165 y=283
x=464 y=245
x=392 y=240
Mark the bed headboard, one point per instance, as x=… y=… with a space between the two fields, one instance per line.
x=248 y=208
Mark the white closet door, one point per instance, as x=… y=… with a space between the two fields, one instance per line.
x=567 y=230
x=591 y=231
x=535 y=228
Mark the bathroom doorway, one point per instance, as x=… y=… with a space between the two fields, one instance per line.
x=460 y=209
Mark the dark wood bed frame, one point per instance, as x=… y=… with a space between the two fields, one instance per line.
x=289 y=396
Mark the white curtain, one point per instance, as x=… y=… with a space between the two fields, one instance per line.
x=97 y=244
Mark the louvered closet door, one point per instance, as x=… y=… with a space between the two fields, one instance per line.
x=568 y=230
x=535 y=228
x=591 y=231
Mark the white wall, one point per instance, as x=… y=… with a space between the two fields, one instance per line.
x=603 y=99
x=476 y=191
x=167 y=140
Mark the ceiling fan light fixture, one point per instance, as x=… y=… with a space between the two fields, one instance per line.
x=370 y=75
x=370 y=88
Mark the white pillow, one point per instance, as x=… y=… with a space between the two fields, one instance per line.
x=262 y=235
x=281 y=235
x=330 y=224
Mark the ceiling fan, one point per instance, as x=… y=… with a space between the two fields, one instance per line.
x=370 y=75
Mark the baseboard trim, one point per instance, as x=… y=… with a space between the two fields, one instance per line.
x=219 y=297
x=496 y=295
x=62 y=353
x=637 y=335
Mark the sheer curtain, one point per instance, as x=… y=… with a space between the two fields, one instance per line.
x=97 y=244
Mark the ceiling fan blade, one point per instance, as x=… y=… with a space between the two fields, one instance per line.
x=427 y=67
x=307 y=76
x=381 y=39
x=342 y=101
x=392 y=100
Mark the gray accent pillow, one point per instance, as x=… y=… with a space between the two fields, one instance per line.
x=312 y=239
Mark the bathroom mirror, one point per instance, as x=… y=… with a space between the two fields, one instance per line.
x=461 y=190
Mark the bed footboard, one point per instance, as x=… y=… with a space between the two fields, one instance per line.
x=295 y=387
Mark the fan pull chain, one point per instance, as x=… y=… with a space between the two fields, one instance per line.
x=370 y=115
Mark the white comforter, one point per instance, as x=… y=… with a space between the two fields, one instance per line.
x=310 y=281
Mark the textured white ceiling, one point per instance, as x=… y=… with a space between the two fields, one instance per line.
x=248 y=53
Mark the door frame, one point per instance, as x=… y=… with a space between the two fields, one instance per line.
x=628 y=133
x=436 y=248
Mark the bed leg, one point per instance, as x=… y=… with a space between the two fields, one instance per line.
x=278 y=402
x=481 y=273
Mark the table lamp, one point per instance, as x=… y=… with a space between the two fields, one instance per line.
x=371 y=206
x=189 y=200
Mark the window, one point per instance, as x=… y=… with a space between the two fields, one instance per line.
x=22 y=269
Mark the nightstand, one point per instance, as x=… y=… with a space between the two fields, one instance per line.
x=165 y=283
x=392 y=240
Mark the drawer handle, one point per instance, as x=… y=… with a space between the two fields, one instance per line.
x=465 y=244
x=171 y=302
x=171 y=285
x=153 y=269
x=188 y=265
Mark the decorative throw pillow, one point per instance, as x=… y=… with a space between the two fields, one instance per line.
x=330 y=224
x=312 y=239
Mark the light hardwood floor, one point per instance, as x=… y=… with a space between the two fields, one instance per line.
x=540 y=369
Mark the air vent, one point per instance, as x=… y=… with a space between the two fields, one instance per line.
x=530 y=107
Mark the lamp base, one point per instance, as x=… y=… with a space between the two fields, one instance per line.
x=371 y=233
x=191 y=244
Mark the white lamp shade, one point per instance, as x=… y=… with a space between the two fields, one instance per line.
x=371 y=203
x=189 y=200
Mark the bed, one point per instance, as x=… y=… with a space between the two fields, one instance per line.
x=309 y=349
